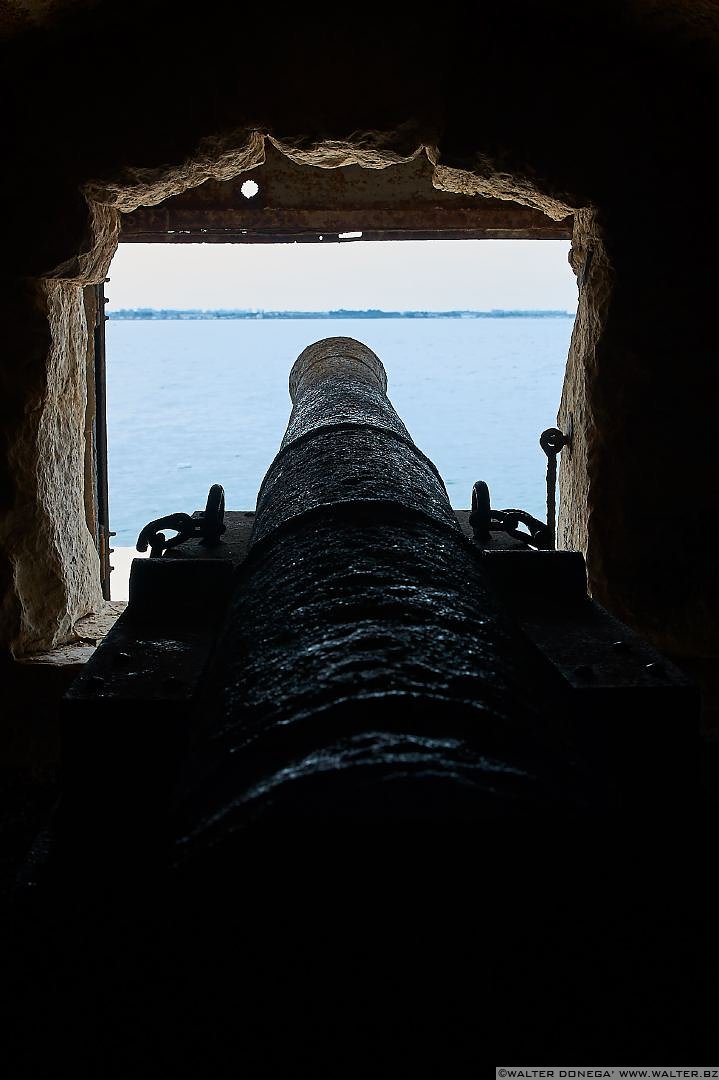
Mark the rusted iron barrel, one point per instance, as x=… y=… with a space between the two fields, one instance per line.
x=363 y=671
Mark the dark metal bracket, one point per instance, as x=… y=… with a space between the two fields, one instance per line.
x=552 y=441
x=484 y=519
x=207 y=526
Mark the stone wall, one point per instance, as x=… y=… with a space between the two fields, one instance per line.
x=597 y=107
x=50 y=559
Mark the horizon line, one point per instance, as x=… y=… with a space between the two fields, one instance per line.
x=342 y=312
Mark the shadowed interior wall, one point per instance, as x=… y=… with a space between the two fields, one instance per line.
x=601 y=109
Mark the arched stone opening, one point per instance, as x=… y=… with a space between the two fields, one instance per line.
x=55 y=572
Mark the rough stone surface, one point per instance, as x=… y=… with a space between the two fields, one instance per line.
x=654 y=489
x=590 y=264
x=87 y=633
x=217 y=158
x=97 y=245
x=484 y=179
x=371 y=149
x=636 y=391
x=43 y=533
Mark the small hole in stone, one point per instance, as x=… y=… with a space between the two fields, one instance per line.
x=249 y=189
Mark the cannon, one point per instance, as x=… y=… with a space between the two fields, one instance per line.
x=363 y=670
x=360 y=662
x=363 y=657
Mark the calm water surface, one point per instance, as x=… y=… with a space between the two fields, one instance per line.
x=193 y=403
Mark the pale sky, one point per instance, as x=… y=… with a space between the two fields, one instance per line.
x=394 y=275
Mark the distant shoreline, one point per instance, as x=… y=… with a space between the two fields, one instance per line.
x=342 y=313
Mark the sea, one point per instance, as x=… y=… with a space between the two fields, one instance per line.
x=194 y=402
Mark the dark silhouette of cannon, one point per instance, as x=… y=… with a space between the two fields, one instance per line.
x=469 y=759
x=363 y=658
x=363 y=670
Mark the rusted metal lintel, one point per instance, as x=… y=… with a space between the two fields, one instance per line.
x=238 y=225
x=320 y=234
x=251 y=237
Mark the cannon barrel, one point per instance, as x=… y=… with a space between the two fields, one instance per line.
x=363 y=671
